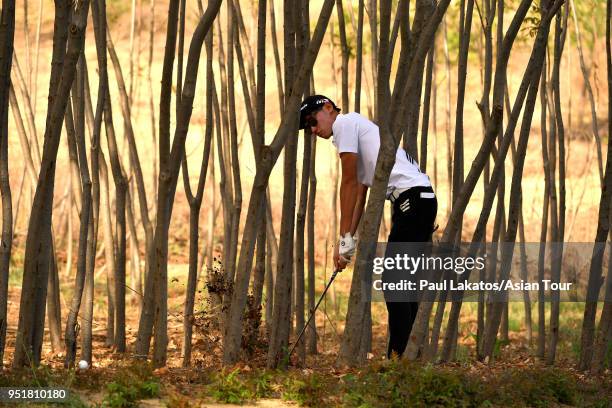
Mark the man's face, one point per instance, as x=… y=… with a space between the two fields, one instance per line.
x=321 y=121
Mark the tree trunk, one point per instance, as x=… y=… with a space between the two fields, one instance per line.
x=283 y=290
x=541 y=346
x=76 y=125
x=195 y=203
x=603 y=226
x=358 y=56
x=465 y=27
x=36 y=267
x=604 y=334
x=299 y=244
x=311 y=334
x=559 y=42
x=427 y=106
x=121 y=204
x=277 y=64
x=155 y=153
x=7 y=35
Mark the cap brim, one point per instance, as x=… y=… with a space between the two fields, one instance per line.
x=303 y=115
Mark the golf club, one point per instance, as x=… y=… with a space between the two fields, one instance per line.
x=312 y=313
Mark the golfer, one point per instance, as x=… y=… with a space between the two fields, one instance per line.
x=409 y=190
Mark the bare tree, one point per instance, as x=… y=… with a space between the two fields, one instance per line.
x=155 y=306
x=195 y=203
x=604 y=333
x=603 y=227
x=559 y=43
x=311 y=342
x=36 y=266
x=283 y=290
x=75 y=125
x=7 y=35
x=269 y=155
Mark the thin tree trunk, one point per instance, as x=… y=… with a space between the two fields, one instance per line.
x=427 y=106
x=154 y=151
x=374 y=37
x=299 y=245
x=53 y=303
x=154 y=273
x=75 y=125
x=7 y=35
x=277 y=64
x=136 y=278
x=358 y=57
x=465 y=28
x=449 y=145
x=262 y=277
x=38 y=27
x=109 y=252
x=195 y=203
x=94 y=215
x=259 y=277
x=232 y=251
x=589 y=90
x=345 y=54
x=559 y=42
x=311 y=339
x=541 y=345
x=224 y=147
x=283 y=290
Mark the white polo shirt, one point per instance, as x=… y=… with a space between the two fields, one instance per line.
x=354 y=133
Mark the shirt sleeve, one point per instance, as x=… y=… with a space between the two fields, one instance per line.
x=346 y=135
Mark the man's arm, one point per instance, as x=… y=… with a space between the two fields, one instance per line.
x=349 y=191
x=362 y=191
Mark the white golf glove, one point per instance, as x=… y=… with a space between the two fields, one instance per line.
x=346 y=246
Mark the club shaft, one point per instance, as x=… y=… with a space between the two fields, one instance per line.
x=312 y=313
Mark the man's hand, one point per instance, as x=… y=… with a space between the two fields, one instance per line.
x=346 y=246
x=340 y=262
x=344 y=251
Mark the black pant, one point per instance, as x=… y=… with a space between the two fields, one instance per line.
x=412 y=221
